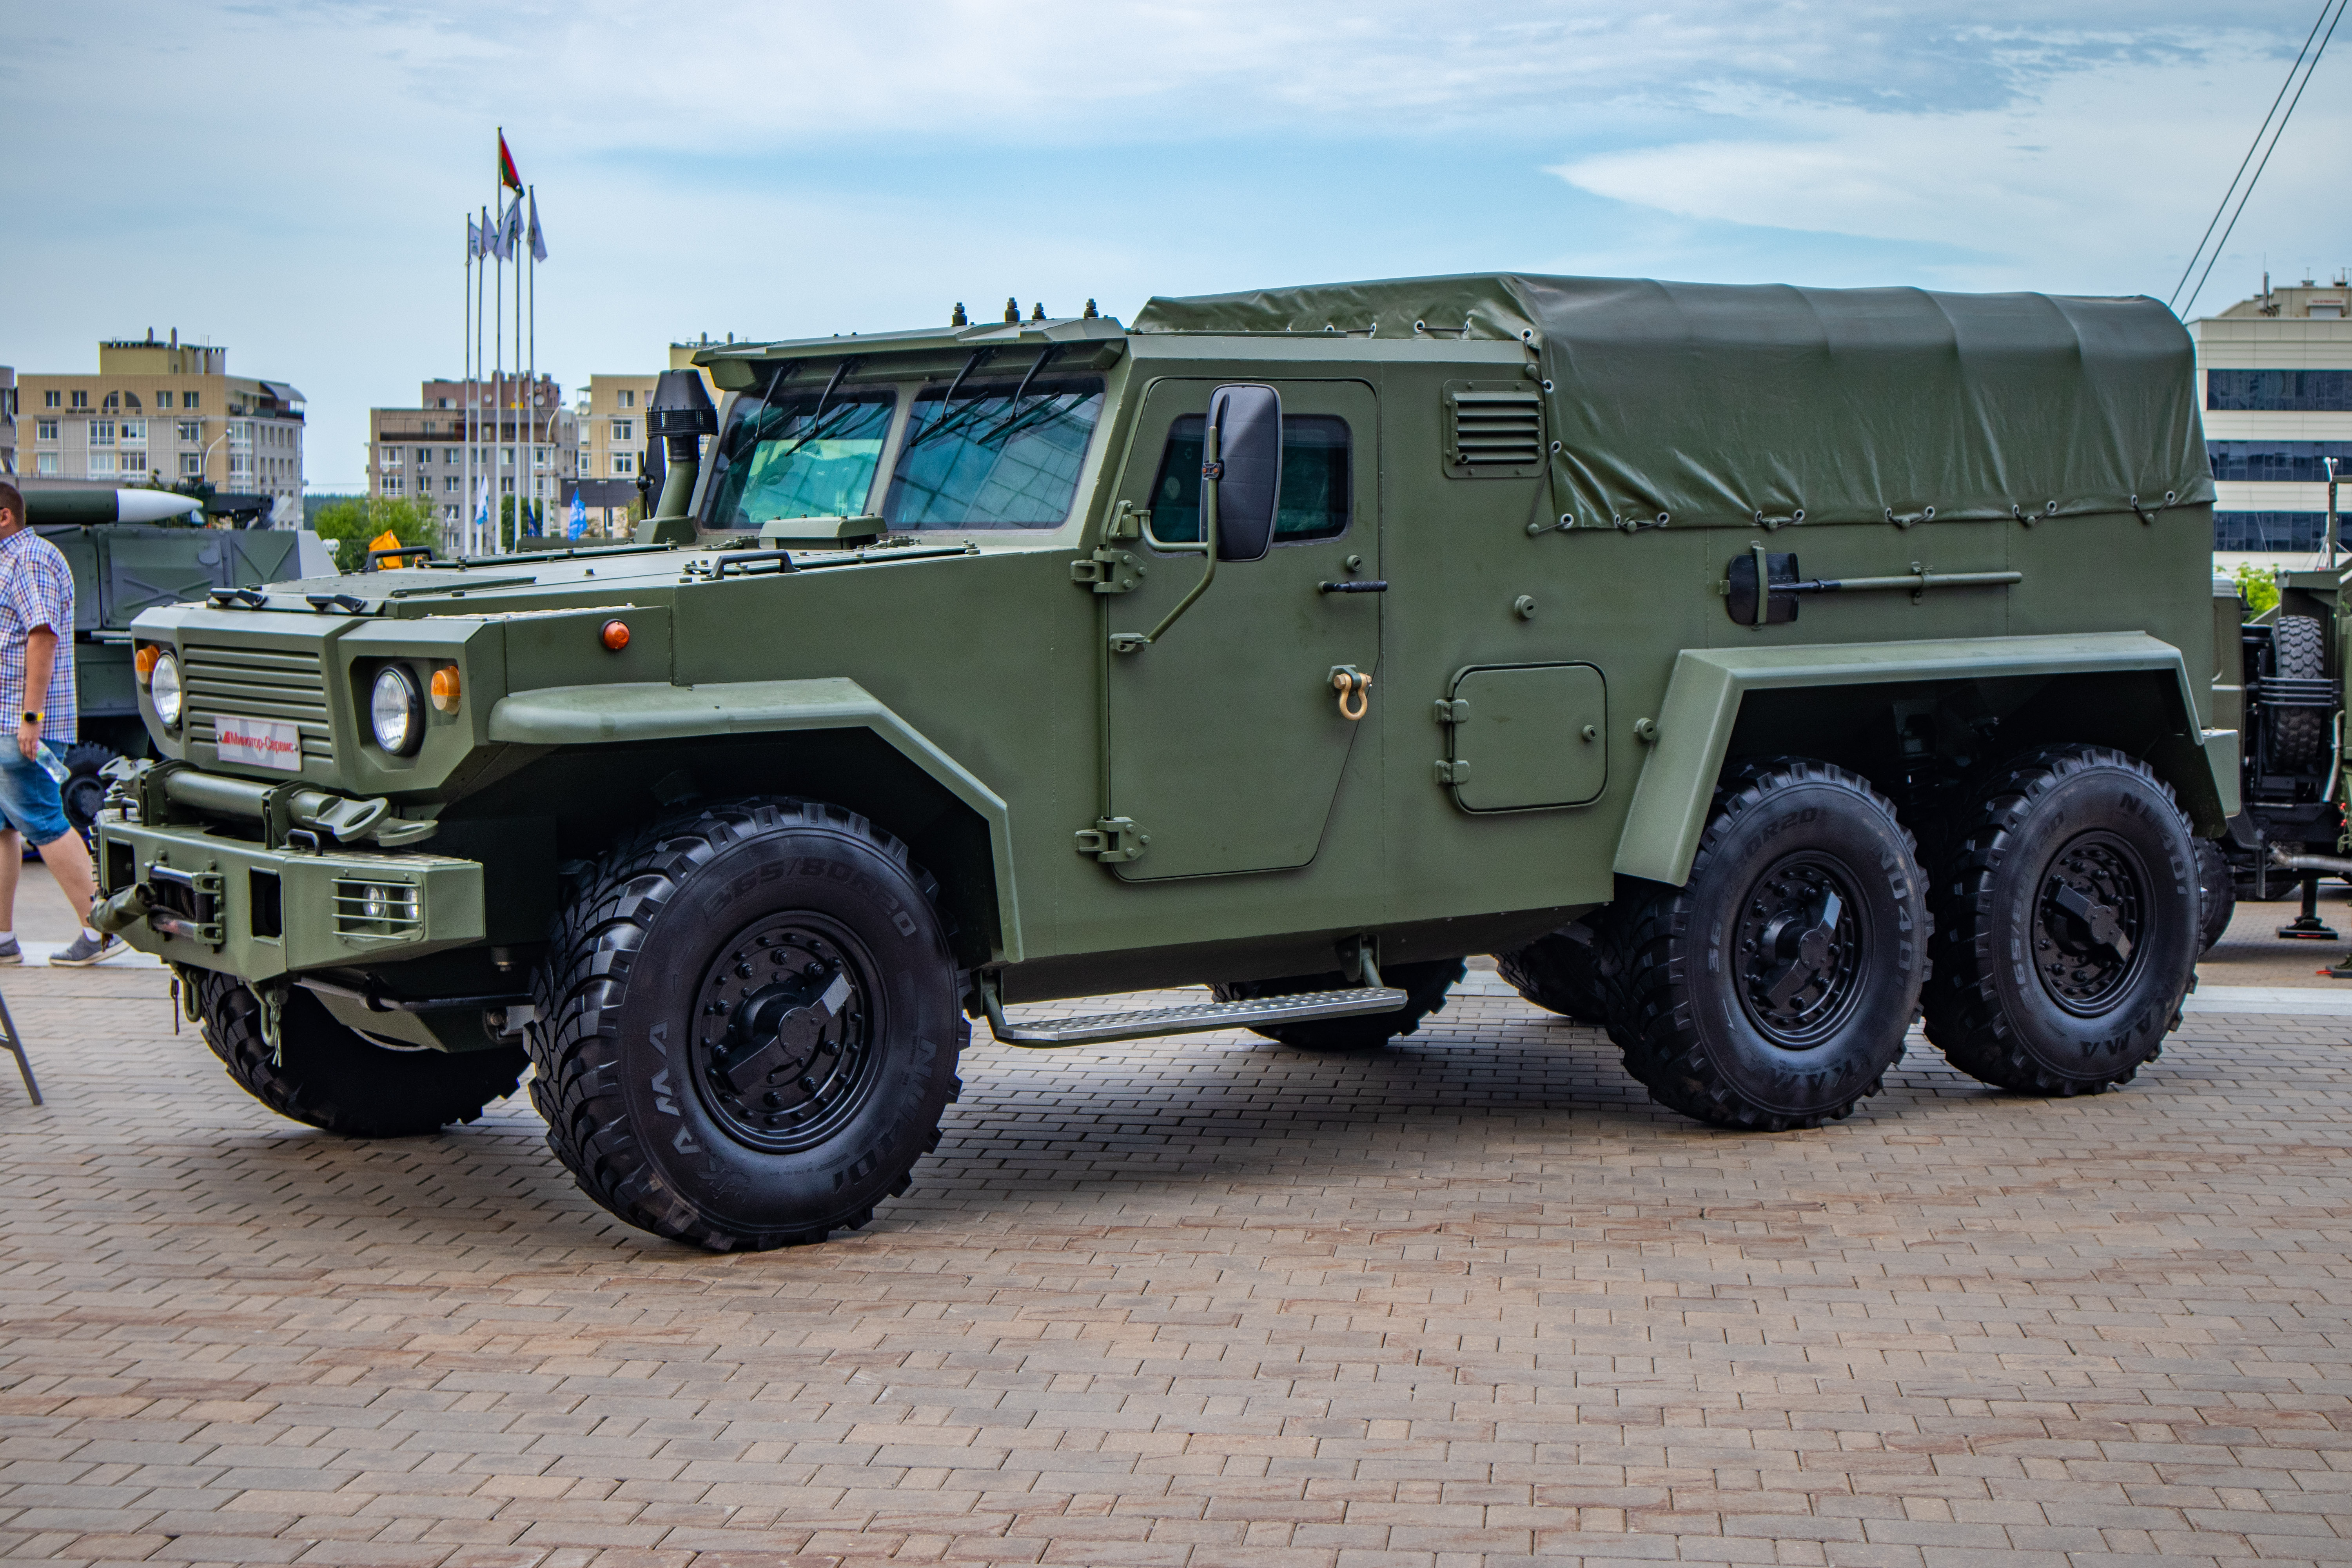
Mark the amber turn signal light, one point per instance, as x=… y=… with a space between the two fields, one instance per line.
x=143 y=659
x=616 y=635
x=444 y=689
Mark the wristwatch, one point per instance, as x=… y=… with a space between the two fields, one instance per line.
x=31 y=717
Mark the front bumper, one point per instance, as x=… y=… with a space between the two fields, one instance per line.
x=203 y=897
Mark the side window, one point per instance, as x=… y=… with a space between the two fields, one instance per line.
x=787 y=457
x=1317 y=495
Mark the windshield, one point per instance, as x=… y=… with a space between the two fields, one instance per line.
x=781 y=458
x=992 y=460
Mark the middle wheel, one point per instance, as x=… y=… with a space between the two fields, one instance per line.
x=1772 y=989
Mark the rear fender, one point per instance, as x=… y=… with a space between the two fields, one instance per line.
x=1710 y=687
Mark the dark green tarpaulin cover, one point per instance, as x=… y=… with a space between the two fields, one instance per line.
x=1713 y=403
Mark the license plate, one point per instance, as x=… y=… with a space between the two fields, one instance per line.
x=260 y=742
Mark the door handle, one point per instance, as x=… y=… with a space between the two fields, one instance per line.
x=1372 y=587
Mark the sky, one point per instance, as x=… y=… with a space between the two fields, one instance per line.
x=292 y=180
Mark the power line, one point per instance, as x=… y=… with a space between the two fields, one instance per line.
x=2307 y=71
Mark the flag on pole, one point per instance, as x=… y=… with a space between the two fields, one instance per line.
x=507 y=176
x=510 y=231
x=473 y=237
x=538 y=238
x=577 y=523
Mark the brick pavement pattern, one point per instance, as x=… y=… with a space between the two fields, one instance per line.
x=1203 y=1302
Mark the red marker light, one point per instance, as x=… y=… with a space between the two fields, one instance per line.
x=616 y=635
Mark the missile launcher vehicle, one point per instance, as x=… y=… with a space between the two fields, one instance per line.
x=1751 y=670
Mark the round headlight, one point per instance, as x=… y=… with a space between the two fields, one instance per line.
x=164 y=686
x=396 y=711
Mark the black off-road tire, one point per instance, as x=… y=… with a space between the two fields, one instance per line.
x=634 y=1035
x=1699 y=1005
x=331 y=1078
x=1563 y=973
x=2217 y=893
x=2030 y=993
x=2298 y=735
x=83 y=790
x=1424 y=986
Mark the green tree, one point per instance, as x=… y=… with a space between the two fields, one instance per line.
x=532 y=521
x=2257 y=588
x=347 y=525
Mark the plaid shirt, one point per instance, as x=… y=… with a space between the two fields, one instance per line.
x=36 y=590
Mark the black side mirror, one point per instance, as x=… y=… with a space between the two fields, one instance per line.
x=1248 y=422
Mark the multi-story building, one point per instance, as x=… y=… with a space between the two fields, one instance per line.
x=612 y=425
x=7 y=421
x=159 y=411
x=2275 y=371
x=513 y=436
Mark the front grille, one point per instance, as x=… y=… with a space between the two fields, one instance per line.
x=259 y=683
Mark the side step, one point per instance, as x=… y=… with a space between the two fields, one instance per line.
x=1202 y=1016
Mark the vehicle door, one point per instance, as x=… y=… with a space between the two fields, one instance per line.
x=1226 y=737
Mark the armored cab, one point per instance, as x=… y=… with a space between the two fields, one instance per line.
x=1750 y=669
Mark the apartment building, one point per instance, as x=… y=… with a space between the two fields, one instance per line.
x=2275 y=374
x=612 y=426
x=159 y=411
x=7 y=421
x=513 y=436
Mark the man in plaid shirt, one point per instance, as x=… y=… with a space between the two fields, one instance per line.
x=37 y=683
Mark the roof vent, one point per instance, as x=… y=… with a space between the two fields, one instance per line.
x=1494 y=429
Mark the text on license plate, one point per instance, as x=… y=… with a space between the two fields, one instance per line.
x=260 y=742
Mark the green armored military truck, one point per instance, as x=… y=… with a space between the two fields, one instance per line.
x=1752 y=667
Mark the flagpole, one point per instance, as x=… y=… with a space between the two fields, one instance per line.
x=474 y=403
x=533 y=241
x=466 y=358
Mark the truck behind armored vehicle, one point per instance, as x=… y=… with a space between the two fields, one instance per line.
x=1751 y=670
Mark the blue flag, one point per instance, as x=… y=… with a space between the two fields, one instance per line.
x=578 y=522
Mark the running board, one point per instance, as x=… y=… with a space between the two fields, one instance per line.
x=1101 y=1027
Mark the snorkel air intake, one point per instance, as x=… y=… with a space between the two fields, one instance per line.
x=679 y=416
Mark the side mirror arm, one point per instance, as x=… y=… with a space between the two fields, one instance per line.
x=1211 y=469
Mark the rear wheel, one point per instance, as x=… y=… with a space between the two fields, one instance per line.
x=1773 y=988
x=2067 y=925
x=1424 y=986
x=748 y=1024
x=2217 y=894
x=1564 y=971
x=330 y=1076
x=2298 y=735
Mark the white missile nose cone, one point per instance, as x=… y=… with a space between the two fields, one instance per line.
x=152 y=506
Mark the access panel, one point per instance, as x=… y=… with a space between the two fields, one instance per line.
x=1529 y=735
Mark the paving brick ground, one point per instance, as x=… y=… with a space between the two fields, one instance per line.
x=1201 y=1303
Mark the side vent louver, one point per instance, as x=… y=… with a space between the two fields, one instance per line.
x=1494 y=429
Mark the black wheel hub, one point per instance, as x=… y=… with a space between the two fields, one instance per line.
x=783 y=1034
x=2088 y=920
x=1800 y=952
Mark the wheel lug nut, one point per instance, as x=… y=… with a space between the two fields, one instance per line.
x=772 y=1099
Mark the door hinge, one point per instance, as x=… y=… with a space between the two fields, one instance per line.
x=1454 y=712
x=1113 y=839
x=1452 y=772
x=1109 y=572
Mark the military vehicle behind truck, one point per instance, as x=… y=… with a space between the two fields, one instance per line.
x=130 y=550
x=1754 y=670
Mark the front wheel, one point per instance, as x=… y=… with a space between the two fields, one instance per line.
x=1772 y=989
x=748 y=1024
x=2067 y=925
x=335 y=1078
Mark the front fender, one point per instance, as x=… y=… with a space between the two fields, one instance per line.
x=647 y=710
x=1703 y=701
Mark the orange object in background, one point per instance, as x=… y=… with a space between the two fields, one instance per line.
x=387 y=539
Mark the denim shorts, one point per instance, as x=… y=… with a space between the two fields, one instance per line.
x=29 y=801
